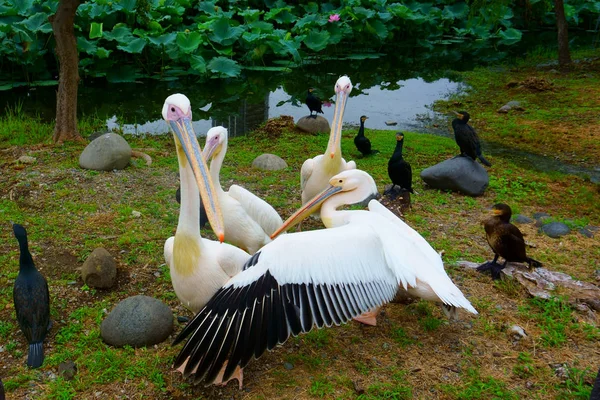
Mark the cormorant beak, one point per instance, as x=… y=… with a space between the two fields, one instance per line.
x=307 y=209
x=183 y=130
x=336 y=124
x=496 y=212
x=459 y=115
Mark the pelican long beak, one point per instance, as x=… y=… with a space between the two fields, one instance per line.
x=336 y=125
x=187 y=137
x=209 y=150
x=307 y=209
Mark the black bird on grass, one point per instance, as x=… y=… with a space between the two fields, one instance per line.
x=203 y=217
x=314 y=103
x=399 y=170
x=1 y=391
x=32 y=301
x=506 y=240
x=362 y=143
x=467 y=139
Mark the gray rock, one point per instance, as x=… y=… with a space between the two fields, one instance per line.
x=269 y=162
x=288 y=366
x=560 y=370
x=517 y=332
x=182 y=319
x=99 y=270
x=391 y=123
x=460 y=174
x=106 y=153
x=555 y=229
x=540 y=218
x=511 y=105
x=67 y=370
x=27 y=160
x=521 y=219
x=137 y=321
x=313 y=125
x=96 y=135
x=586 y=232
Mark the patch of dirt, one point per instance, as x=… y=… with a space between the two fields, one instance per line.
x=274 y=127
x=533 y=84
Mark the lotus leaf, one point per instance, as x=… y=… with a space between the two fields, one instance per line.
x=163 y=40
x=95 y=30
x=224 y=66
x=223 y=33
x=317 y=40
x=37 y=23
x=134 y=46
x=510 y=36
x=198 y=64
x=189 y=41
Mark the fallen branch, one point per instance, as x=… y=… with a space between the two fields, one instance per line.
x=541 y=282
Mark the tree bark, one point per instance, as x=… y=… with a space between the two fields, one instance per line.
x=564 y=55
x=68 y=79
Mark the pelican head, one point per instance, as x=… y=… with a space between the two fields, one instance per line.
x=342 y=88
x=356 y=185
x=177 y=111
x=216 y=138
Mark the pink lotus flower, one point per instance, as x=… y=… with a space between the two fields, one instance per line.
x=334 y=17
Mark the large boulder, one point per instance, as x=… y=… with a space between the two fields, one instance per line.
x=99 y=270
x=269 y=162
x=459 y=174
x=313 y=125
x=106 y=153
x=137 y=321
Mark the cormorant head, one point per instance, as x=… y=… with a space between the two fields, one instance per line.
x=19 y=231
x=310 y=90
x=399 y=136
x=463 y=116
x=363 y=118
x=502 y=211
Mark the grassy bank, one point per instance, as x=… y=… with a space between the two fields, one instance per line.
x=560 y=117
x=413 y=353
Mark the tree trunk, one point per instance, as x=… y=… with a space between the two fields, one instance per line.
x=68 y=79
x=564 y=56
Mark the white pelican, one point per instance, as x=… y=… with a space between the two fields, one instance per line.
x=319 y=277
x=199 y=267
x=249 y=220
x=316 y=172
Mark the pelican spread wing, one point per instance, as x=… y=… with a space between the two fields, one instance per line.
x=300 y=280
x=430 y=268
x=257 y=209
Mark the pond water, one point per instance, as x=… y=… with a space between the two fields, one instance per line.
x=135 y=108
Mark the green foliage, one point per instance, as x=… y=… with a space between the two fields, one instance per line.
x=163 y=39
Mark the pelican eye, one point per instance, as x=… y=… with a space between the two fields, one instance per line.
x=340 y=181
x=172 y=109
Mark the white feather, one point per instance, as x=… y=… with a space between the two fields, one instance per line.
x=257 y=209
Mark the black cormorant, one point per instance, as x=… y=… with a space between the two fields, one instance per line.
x=399 y=170
x=313 y=103
x=32 y=301
x=466 y=138
x=203 y=217
x=362 y=143
x=2 y=391
x=506 y=240
x=595 y=395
